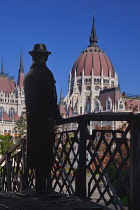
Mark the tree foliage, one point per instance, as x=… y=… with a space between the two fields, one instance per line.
x=21 y=126
x=5 y=143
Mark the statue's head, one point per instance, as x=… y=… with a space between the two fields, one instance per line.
x=39 y=51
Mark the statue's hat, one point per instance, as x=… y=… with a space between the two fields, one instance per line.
x=39 y=48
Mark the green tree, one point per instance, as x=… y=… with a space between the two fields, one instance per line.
x=5 y=143
x=21 y=126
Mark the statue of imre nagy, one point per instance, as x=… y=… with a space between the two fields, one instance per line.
x=42 y=110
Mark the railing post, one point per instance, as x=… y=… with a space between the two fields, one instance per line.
x=8 y=171
x=24 y=176
x=80 y=182
x=135 y=165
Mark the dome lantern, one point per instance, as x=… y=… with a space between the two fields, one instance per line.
x=93 y=38
x=93 y=59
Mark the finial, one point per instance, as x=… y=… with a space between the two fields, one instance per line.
x=93 y=38
x=61 y=97
x=21 y=68
x=2 y=67
x=21 y=72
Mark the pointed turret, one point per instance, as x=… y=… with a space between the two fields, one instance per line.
x=21 y=72
x=21 y=68
x=61 y=98
x=2 y=68
x=70 y=111
x=61 y=105
x=93 y=37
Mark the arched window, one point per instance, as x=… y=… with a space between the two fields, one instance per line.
x=108 y=104
x=81 y=110
x=5 y=132
x=88 y=87
x=121 y=105
x=1 y=111
x=97 y=87
x=96 y=106
x=87 y=105
x=11 y=112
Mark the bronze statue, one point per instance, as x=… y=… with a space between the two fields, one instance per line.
x=42 y=110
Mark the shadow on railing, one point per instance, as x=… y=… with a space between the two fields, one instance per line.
x=91 y=159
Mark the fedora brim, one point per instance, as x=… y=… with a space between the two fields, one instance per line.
x=39 y=52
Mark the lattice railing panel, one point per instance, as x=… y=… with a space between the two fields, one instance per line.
x=65 y=161
x=31 y=178
x=16 y=171
x=86 y=161
x=109 y=152
x=3 y=178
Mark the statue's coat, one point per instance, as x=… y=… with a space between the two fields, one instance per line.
x=42 y=110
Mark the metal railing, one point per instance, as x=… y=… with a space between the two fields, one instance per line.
x=91 y=159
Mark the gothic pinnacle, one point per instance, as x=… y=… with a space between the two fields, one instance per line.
x=93 y=37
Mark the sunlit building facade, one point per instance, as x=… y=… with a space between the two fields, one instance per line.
x=12 y=102
x=93 y=85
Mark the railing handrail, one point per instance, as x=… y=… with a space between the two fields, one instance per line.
x=12 y=149
x=83 y=133
x=100 y=116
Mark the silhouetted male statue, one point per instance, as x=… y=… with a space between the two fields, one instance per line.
x=42 y=110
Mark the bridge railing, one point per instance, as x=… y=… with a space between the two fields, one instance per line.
x=95 y=156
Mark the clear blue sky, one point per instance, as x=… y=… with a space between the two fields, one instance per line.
x=65 y=26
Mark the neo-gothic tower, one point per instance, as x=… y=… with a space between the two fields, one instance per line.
x=91 y=73
x=20 y=87
x=12 y=101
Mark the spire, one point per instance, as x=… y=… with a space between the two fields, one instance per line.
x=21 y=72
x=93 y=37
x=2 y=68
x=61 y=97
x=61 y=105
x=21 y=68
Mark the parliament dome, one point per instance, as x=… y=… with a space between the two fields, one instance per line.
x=93 y=59
x=91 y=73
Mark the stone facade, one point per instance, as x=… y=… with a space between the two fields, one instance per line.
x=93 y=85
x=12 y=101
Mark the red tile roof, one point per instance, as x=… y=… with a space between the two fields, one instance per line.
x=20 y=79
x=114 y=94
x=6 y=117
x=132 y=104
x=7 y=85
x=62 y=110
x=96 y=59
x=15 y=117
x=70 y=111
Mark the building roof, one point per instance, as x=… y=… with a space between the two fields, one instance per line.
x=62 y=108
x=132 y=103
x=93 y=59
x=15 y=117
x=7 y=84
x=114 y=94
x=70 y=111
x=5 y=117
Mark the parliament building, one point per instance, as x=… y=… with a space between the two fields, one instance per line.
x=92 y=87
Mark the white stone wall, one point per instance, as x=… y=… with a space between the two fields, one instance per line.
x=15 y=100
x=83 y=90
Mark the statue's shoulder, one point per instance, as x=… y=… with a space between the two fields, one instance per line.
x=29 y=74
x=50 y=74
x=40 y=74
